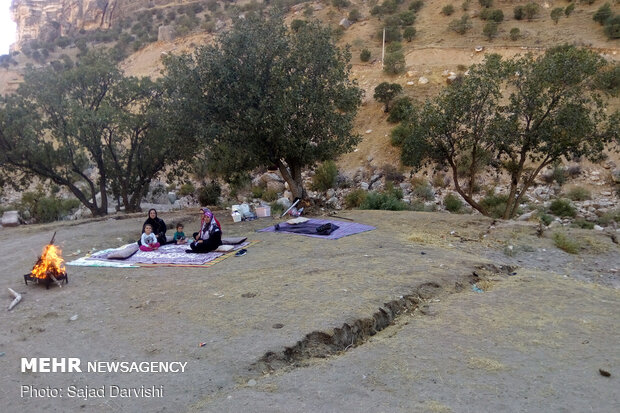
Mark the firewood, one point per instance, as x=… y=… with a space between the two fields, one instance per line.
x=18 y=298
x=54 y=279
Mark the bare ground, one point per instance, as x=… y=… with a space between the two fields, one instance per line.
x=533 y=341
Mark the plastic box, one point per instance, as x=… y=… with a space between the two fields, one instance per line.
x=263 y=211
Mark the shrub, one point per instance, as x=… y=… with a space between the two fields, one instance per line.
x=612 y=27
x=423 y=191
x=276 y=209
x=298 y=24
x=556 y=13
x=269 y=195
x=392 y=174
x=494 y=204
x=187 y=189
x=466 y=5
x=493 y=15
x=440 y=180
x=447 y=10
x=562 y=208
x=355 y=198
x=490 y=30
x=602 y=14
x=355 y=15
x=42 y=208
x=578 y=193
x=257 y=191
x=409 y=33
x=531 y=10
x=545 y=218
x=340 y=3
x=392 y=30
x=407 y=18
x=210 y=194
x=394 y=63
x=416 y=5
x=515 y=33
x=325 y=176
x=565 y=243
x=608 y=217
x=569 y=9
x=401 y=110
x=461 y=25
x=384 y=201
x=365 y=55
x=486 y=3
x=519 y=12
x=453 y=203
x=582 y=223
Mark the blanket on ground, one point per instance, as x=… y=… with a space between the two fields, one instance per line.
x=308 y=228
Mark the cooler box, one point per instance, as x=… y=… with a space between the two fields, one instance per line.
x=263 y=211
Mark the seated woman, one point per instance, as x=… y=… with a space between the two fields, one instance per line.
x=158 y=226
x=210 y=235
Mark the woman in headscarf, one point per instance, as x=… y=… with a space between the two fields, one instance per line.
x=210 y=235
x=158 y=226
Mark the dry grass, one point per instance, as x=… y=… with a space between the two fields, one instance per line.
x=483 y=363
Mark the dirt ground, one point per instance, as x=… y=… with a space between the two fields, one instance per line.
x=534 y=340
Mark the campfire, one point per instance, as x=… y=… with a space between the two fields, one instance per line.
x=49 y=267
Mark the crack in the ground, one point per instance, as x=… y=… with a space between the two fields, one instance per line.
x=322 y=344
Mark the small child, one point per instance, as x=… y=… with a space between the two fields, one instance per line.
x=179 y=236
x=148 y=239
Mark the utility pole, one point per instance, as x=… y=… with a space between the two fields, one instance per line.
x=383 y=49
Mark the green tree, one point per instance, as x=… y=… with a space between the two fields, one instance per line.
x=612 y=27
x=409 y=33
x=490 y=30
x=394 y=63
x=63 y=122
x=365 y=55
x=531 y=10
x=556 y=13
x=602 y=14
x=262 y=96
x=549 y=111
x=515 y=33
x=386 y=92
x=401 y=110
x=569 y=9
x=462 y=25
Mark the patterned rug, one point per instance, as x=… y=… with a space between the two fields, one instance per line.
x=167 y=255
x=344 y=228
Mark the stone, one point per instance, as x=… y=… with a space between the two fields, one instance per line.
x=219 y=25
x=598 y=228
x=364 y=186
x=285 y=202
x=275 y=186
x=526 y=216
x=423 y=80
x=330 y=193
x=345 y=23
x=10 y=219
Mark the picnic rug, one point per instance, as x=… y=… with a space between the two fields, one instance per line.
x=170 y=255
x=344 y=228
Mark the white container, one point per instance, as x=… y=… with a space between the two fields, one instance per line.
x=263 y=211
x=236 y=216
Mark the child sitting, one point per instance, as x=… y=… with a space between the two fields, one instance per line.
x=179 y=236
x=148 y=239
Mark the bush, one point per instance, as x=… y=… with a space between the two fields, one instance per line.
x=298 y=24
x=569 y=9
x=401 y=110
x=409 y=33
x=578 y=194
x=384 y=201
x=609 y=217
x=276 y=209
x=453 y=203
x=447 y=10
x=565 y=243
x=486 y=3
x=519 y=12
x=461 y=25
x=562 y=208
x=515 y=33
x=602 y=14
x=466 y=5
x=416 y=5
x=187 y=189
x=492 y=15
x=257 y=191
x=269 y=195
x=340 y=3
x=494 y=204
x=407 y=18
x=582 y=223
x=355 y=198
x=210 y=194
x=612 y=27
x=325 y=176
x=490 y=30
x=423 y=191
x=355 y=15
x=42 y=208
x=392 y=174
x=365 y=55
x=531 y=10
x=556 y=13
x=545 y=218
x=608 y=80
x=394 y=63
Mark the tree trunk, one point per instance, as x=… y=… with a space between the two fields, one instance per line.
x=292 y=175
x=466 y=197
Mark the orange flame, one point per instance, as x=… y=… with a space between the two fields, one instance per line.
x=50 y=262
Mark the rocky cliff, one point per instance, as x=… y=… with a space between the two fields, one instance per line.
x=46 y=20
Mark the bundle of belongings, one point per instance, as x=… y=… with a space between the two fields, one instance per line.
x=318 y=228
